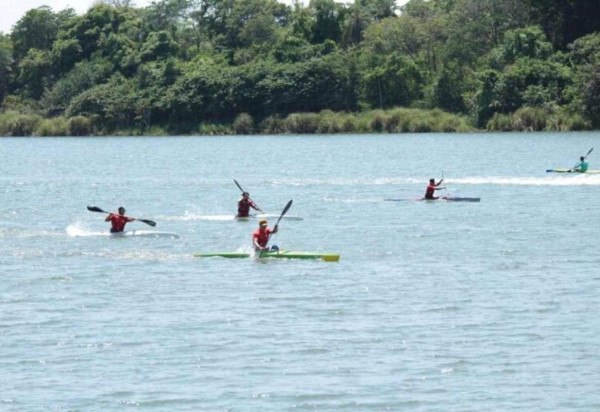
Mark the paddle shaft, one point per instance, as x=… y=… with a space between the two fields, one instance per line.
x=243 y=191
x=283 y=212
x=97 y=209
x=584 y=157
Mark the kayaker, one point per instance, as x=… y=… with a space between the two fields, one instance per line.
x=431 y=188
x=582 y=166
x=260 y=237
x=118 y=220
x=244 y=205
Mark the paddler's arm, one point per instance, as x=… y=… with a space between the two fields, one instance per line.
x=256 y=245
x=108 y=217
x=275 y=229
x=253 y=206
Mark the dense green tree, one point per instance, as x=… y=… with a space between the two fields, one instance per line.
x=113 y=103
x=591 y=95
x=34 y=71
x=531 y=81
x=168 y=15
x=328 y=20
x=585 y=57
x=158 y=45
x=300 y=21
x=448 y=89
x=396 y=82
x=84 y=75
x=310 y=86
x=92 y=30
x=181 y=63
x=524 y=42
x=566 y=20
x=483 y=103
x=37 y=30
x=476 y=26
x=6 y=62
x=202 y=92
x=585 y=50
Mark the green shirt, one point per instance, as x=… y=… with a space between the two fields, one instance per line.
x=582 y=167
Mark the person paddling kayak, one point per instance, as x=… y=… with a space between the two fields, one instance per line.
x=244 y=205
x=118 y=221
x=582 y=166
x=431 y=188
x=260 y=237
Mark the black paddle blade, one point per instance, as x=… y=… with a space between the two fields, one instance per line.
x=285 y=209
x=95 y=209
x=148 y=222
x=238 y=185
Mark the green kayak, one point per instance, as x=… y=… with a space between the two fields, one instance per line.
x=327 y=257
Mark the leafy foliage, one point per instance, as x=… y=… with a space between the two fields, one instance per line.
x=245 y=66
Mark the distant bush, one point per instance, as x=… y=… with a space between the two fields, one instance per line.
x=16 y=124
x=534 y=119
x=302 y=123
x=378 y=121
x=330 y=122
x=155 y=131
x=214 y=129
x=530 y=119
x=500 y=123
x=80 y=126
x=272 y=125
x=56 y=126
x=243 y=124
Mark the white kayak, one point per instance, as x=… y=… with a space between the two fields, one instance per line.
x=269 y=216
x=442 y=199
x=144 y=233
x=127 y=233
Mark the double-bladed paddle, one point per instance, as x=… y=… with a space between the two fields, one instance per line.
x=584 y=157
x=283 y=212
x=97 y=209
x=243 y=191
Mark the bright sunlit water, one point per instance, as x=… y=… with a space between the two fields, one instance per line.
x=433 y=306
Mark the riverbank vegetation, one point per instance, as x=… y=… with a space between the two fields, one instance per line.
x=259 y=66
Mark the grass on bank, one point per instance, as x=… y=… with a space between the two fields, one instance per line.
x=397 y=120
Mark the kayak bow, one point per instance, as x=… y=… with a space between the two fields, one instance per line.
x=327 y=257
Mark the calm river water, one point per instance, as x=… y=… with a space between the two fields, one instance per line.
x=433 y=306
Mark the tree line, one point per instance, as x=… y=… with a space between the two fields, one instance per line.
x=260 y=66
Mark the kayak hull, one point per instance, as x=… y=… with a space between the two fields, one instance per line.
x=327 y=257
x=588 y=172
x=444 y=199
x=143 y=233
x=268 y=216
x=127 y=233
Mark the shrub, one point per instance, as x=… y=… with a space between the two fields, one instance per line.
x=302 y=123
x=16 y=124
x=272 y=125
x=530 y=119
x=56 y=126
x=243 y=124
x=80 y=126
x=214 y=129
